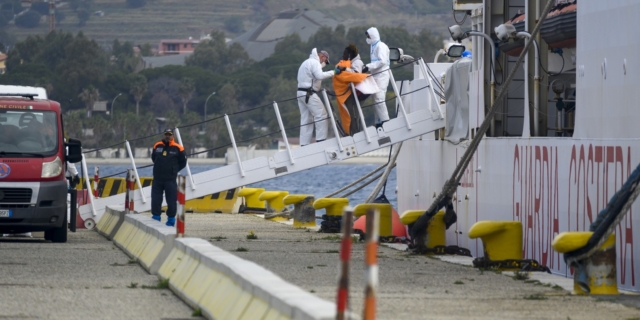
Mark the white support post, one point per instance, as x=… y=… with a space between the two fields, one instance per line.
x=437 y=112
x=333 y=120
x=364 y=124
x=193 y=182
x=86 y=182
x=284 y=133
x=133 y=165
x=233 y=142
x=399 y=97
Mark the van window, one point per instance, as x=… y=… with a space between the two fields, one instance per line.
x=28 y=132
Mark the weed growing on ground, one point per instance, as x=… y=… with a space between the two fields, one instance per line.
x=218 y=238
x=312 y=291
x=536 y=282
x=108 y=287
x=308 y=230
x=162 y=284
x=321 y=265
x=557 y=287
x=252 y=235
x=520 y=275
x=132 y=285
x=535 y=297
x=332 y=251
x=497 y=271
x=309 y=267
x=132 y=261
x=242 y=249
x=458 y=282
x=332 y=238
x=196 y=313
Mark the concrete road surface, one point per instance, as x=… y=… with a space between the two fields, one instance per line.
x=85 y=278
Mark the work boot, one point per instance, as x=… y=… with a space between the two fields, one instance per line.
x=154 y=217
x=171 y=221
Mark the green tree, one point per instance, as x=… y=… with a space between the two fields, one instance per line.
x=83 y=16
x=29 y=19
x=186 y=89
x=228 y=99
x=73 y=123
x=145 y=50
x=89 y=96
x=234 y=24
x=138 y=89
x=214 y=55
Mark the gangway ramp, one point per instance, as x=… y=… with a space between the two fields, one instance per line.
x=424 y=118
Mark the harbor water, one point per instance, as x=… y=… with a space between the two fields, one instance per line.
x=319 y=181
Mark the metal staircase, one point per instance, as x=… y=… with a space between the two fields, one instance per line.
x=426 y=117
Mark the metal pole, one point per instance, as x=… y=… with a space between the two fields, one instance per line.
x=205 y=105
x=371 y=264
x=96 y=180
x=364 y=124
x=112 y=102
x=333 y=120
x=536 y=82
x=284 y=134
x=233 y=142
x=435 y=60
x=193 y=183
x=126 y=192
x=491 y=73
x=130 y=190
x=133 y=165
x=423 y=67
x=86 y=182
x=180 y=205
x=342 y=302
x=399 y=97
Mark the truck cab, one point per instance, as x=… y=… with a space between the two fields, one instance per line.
x=33 y=160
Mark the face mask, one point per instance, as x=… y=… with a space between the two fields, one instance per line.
x=369 y=41
x=323 y=64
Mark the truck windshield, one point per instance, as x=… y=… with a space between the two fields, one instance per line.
x=28 y=133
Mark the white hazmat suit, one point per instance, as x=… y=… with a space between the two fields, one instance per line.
x=310 y=75
x=379 y=63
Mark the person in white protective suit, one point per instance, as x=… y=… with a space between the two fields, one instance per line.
x=378 y=66
x=312 y=111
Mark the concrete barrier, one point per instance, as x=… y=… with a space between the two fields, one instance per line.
x=146 y=240
x=225 y=286
x=220 y=284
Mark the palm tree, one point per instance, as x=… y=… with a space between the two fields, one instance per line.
x=89 y=96
x=138 y=89
x=186 y=89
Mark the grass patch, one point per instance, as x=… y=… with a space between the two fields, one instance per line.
x=557 y=287
x=218 y=238
x=242 y=249
x=196 y=313
x=520 y=275
x=458 y=282
x=535 y=297
x=332 y=251
x=312 y=291
x=332 y=238
x=252 y=235
x=309 y=267
x=132 y=261
x=162 y=284
x=133 y=285
x=107 y=287
x=321 y=265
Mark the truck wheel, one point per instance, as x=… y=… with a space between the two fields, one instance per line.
x=59 y=235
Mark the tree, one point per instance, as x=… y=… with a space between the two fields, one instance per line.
x=29 y=19
x=214 y=55
x=145 y=50
x=234 y=24
x=186 y=89
x=89 y=96
x=138 y=89
x=83 y=16
x=228 y=99
x=136 y=3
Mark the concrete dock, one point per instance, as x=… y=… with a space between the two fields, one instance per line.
x=411 y=287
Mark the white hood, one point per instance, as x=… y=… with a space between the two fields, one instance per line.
x=374 y=35
x=314 y=55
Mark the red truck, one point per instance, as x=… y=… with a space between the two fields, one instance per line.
x=33 y=160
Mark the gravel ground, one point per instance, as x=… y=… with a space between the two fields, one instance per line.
x=411 y=287
x=85 y=278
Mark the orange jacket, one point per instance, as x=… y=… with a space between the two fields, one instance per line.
x=342 y=88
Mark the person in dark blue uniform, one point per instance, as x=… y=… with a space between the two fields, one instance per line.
x=168 y=159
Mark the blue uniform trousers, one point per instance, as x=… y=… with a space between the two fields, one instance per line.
x=170 y=189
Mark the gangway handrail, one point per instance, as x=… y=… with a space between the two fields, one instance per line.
x=327 y=106
x=283 y=131
x=193 y=183
x=135 y=170
x=233 y=142
x=364 y=124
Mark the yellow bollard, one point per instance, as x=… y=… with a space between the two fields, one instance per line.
x=502 y=240
x=333 y=206
x=599 y=274
x=385 y=229
x=304 y=215
x=251 y=198
x=275 y=203
x=436 y=230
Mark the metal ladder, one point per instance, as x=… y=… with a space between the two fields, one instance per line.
x=406 y=126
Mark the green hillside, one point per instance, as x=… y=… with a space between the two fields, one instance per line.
x=166 y=19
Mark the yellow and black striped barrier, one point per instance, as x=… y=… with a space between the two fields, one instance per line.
x=221 y=202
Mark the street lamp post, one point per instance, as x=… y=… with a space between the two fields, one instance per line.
x=205 y=105
x=112 y=102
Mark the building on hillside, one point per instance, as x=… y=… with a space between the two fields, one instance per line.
x=3 y=65
x=177 y=46
x=260 y=42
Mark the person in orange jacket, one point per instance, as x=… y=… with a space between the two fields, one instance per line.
x=352 y=65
